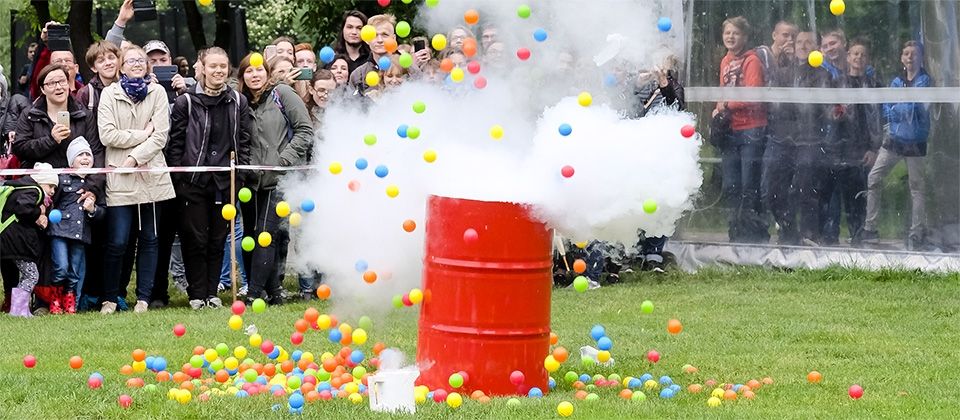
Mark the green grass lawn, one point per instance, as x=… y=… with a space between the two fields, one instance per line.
x=894 y=333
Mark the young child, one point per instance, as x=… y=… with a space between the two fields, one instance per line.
x=70 y=237
x=23 y=219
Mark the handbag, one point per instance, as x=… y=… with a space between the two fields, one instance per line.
x=720 y=128
x=7 y=159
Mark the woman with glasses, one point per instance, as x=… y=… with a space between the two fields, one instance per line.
x=133 y=121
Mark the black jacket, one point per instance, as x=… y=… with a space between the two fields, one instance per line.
x=859 y=127
x=793 y=123
x=21 y=239
x=11 y=108
x=76 y=222
x=204 y=130
x=651 y=95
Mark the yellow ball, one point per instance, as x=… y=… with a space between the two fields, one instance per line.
x=283 y=209
x=565 y=409
x=356 y=398
x=439 y=42
x=456 y=74
x=551 y=364
x=307 y=356
x=837 y=7
x=496 y=132
x=336 y=168
x=717 y=393
x=603 y=356
x=714 y=402
x=368 y=33
x=326 y=355
x=283 y=356
x=324 y=321
x=296 y=219
x=172 y=393
x=228 y=212
x=240 y=352
x=584 y=99
x=205 y=2
x=256 y=60
x=651 y=385
x=351 y=388
x=255 y=340
x=430 y=155
x=581 y=245
x=231 y=363
x=184 y=396
x=264 y=239
x=420 y=397
x=373 y=78
x=815 y=59
x=416 y=296
x=454 y=400
x=235 y=322
x=211 y=355
x=393 y=191
x=139 y=366
x=359 y=336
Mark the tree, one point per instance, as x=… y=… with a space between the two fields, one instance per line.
x=81 y=35
x=194 y=24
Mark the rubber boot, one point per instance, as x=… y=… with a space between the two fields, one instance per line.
x=56 y=307
x=70 y=303
x=20 y=303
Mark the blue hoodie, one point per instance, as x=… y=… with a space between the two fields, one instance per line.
x=909 y=121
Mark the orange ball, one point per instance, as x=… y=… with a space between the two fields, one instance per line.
x=198 y=350
x=287 y=366
x=744 y=388
x=269 y=369
x=323 y=292
x=330 y=364
x=125 y=370
x=307 y=387
x=554 y=339
x=674 y=326
x=313 y=396
x=471 y=17
x=560 y=354
x=768 y=381
x=139 y=355
x=301 y=325
x=446 y=65
x=469 y=47
x=303 y=364
x=179 y=377
x=311 y=315
x=814 y=377
x=76 y=362
x=163 y=376
x=749 y=395
x=135 y=383
x=754 y=384
x=580 y=395
x=729 y=395
x=476 y=395
x=344 y=352
x=695 y=388
x=333 y=321
x=222 y=376
x=391 y=45
x=257 y=367
x=484 y=400
x=370 y=276
x=187 y=385
x=409 y=225
x=626 y=393
x=578 y=385
x=336 y=382
x=579 y=266
x=379 y=347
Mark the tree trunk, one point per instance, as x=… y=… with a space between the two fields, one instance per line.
x=43 y=11
x=224 y=31
x=81 y=35
x=195 y=24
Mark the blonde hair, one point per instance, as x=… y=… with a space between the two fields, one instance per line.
x=382 y=19
x=134 y=48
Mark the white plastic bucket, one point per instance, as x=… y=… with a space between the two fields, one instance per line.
x=392 y=390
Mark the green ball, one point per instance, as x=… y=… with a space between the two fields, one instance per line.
x=649 y=206
x=413 y=132
x=591 y=387
x=259 y=306
x=638 y=396
x=248 y=244
x=581 y=284
x=406 y=1
x=433 y=3
x=456 y=380
x=196 y=360
x=366 y=323
x=523 y=11
x=646 y=307
x=406 y=60
x=249 y=361
x=598 y=377
x=398 y=301
x=250 y=375
x=586 y=361
x=513 y=402
x=403 y=28
x=150 y=388
x=614 y=377
x=216 y=365
x=571 y=377
x=419 y=107
x=370 y=139
x=592 y=397
x=293 y=382
x=359 y=371
x=245 y=194
x=323 y=375
x=223 y=350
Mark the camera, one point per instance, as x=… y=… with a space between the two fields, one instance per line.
x=58 y=37
x=144 y=10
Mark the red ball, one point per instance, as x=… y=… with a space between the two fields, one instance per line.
x=473 y=67
x=406 y=300
x=238 y=307
x=688 y=131
x=383 y=3
x=266 y=346
x=470 y=236
x=567 y=171
x=523 y=54
x=179 y=330
x=653 y=356
x=296 y=338
x=94 y=382
x=516 y=378
x=125 y=401
x=439 y=396
x=195 y=373
x=326 y=395
x=466 y=378
x=480 y=82
x=855 y=391
x=29 y=361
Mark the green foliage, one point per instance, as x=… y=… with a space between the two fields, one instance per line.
x=320 y=20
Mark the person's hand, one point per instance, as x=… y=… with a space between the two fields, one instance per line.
x=43 y=32
x=88 y=205
x=152 y=78
x=869 y=158
x=839 y=111
x=421 y=57
x=42 y=221
x=129 y=162
x=721 y=106
x=149 y=128
x=662 y=78
x=789 y=49
x=85 y=195
x=291 y=76
x=126 y=13
x=177 y=83
x=60 y=132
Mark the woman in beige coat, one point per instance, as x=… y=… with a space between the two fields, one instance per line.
x=133 y=120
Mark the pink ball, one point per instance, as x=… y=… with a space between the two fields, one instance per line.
x=179 y=330
x=516 y=378
x=523 y=54
x=195 y=373
x=29 y=361
x=94 y=382
x=125 y=401
x=439 y=396
x=466 y=378
x=688 y=131
x=296 y=338
x=855 y=391
x=470 y=236
x=480 y=82
x=238 y=307
x=406 y=300
x=326 y=395
x=266 y=346
x=473 y=67
x=567 y=171
x=653 y=356
x=383 y=3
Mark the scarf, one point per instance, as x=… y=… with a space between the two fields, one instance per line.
x=135 y=88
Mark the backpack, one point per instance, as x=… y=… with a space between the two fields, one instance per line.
x=283 y=110
x=5 y=192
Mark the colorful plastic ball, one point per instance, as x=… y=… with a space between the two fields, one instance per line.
x=76 y=362
x=244 y=195
x=855 y=391
x=471 y=17
x=368 y=33
x=94 y=382
x=470 y=236
x=649 y=206
x=416 y=296
x=837 y=7
x=125 y=401
x=667 y=393
x=381 y=171
x=438 y=42
x=55 y=216
x=413 y=132
x=517 y=378
x=567 y=171
x=688 y=131
x=359 y=336
x=480 y=82
x=247 y=244
x=814 y=377
x=336 y=168
x=551 y=364
x=383 y=63
x=581 y=284
x=327 y=55
x=283 y=209
x=674 y=326
x=372 y=78
x=598 y=332
x=523 y=11
x=570 y=377
x=29 y=361
x=714 y=402
x=307 y=205
x=256 y=59
x=335 y=336
x=584 y=99
x=393 y=191
x=419 y=107
x=523 y=53
x=264 y=239
x=604 y=343
x=296 y=400
x=403 y=29
x=235 y=322
x=565 y=409
x=455 y=380
x=296 y=219
x=432 y=3
x=456 y=75
x=653 y=356
x=535 y=392
x=815 y=59
x=473 y=67
x=496 y=132
x=406 y=300
x=540 y=35
x=430 y=155
x=405 y=60
x=603 y=356
x=258 y=306
x=565 y=129
x=664 y=24
x=646 y=307
x=397 y=301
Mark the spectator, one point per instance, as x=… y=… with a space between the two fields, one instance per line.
x=134 y=122
x=794 y=155
x=851 y=153
x=349 y=45
x=395 y=75
x=424 y=54
x=340 y=70
x=781 y=52
x=11 y=107
x=488 y=36
x=323 y=84
x=431 y=72
x=104 y=60
x=159 y=55
x=456 y=37
x=23 y=82
x=283 y=134
x=282 y=70
x=742 y=149
x=457 y=57
x=908 y=125
x=183 y=66
x=384 y=25
x=284 y=46
x=834 y=48
x=196 y=141
x=305 y=56
x=806 y=43
x=67 y=60
x=494 y=57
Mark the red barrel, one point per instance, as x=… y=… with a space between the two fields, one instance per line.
x=486 y=308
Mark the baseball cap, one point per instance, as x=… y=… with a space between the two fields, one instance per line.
x=156 y=45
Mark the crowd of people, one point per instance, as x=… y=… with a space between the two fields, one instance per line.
x=800 y=162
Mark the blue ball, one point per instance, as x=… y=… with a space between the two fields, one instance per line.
x=610 y=80
x=540 y=35
x=96 y=375
x=604 y=343
x=335 y=335
x=535 y=393
x=274 y=388
x=665 y=380
x=356 y=356
x=598 y=331
x=360 y=266
x=585 y=378
x=232 y=371
x=296 y=400
x=296 y=371
x=381 y=171
x=667 y=393
x=361 y=164
x=149 y=362
x=552 y=383
x=324 y=386
x=736 y=388
x=384 y=63
x=296 y=355
x=275 y=353
x=634 y=383
x=262 y=380
x=242 y=394
x=664 y=24
x=565 y=129
x=402 y=131
x=362 y=388
x=159 y=364
x=308 y=205
x=327 y=55
x=296 y=410
x=55 y=216
x=675 y=388
x=646 y=377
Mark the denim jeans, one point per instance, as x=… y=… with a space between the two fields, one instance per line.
x=263 y=273
x=121 y=220
x=69 y=263
x=742 y=164
x=651 y=248
x=225 y=267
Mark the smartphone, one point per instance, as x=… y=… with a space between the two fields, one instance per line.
x=269 y=51
x=419 y=44
x=165 y=75
x=58 y=37
x=144 y=10
x=63 y=118
x=305 y=74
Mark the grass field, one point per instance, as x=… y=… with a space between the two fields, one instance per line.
x=894 y=333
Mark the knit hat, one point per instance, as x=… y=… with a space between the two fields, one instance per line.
x=77 y=146
x=46 y=178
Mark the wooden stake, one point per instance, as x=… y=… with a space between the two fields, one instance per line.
x=233 y=226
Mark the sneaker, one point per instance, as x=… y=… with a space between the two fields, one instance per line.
x=55 y=307
x=180 y=283
x=122 y=304
x=108 y=308
x=275 y=300
x=654 y=266
x=214 y=302
x=41 y=311
x=196 y=304
x=140 y=307
x=308 y=295
x=869 y=237
x=70 y=303
x=809 y=242
x=242 y=291
x=221 y=287
x=157 y=304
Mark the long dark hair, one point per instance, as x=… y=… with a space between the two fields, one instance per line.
x=252 y=96
x=340 y=47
